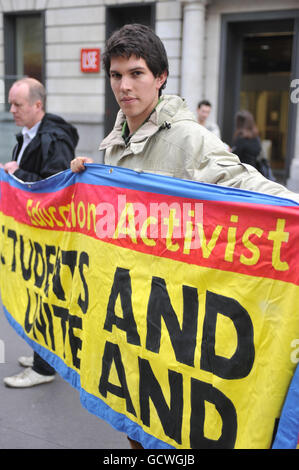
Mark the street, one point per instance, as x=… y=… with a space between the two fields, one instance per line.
x=48 y=416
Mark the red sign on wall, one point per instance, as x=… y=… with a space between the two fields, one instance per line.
x=90 y=60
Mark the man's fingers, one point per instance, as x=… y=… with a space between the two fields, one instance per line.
x=77 y=165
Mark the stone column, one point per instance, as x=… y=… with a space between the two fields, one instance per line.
x=193 y=45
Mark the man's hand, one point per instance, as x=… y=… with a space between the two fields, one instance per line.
x=11 y=167
x=77 y=165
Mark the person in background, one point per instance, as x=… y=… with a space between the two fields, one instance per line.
x=203 y=112
x=45 y=147
x=247 y=144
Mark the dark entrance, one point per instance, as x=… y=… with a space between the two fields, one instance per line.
x=260 y=62
x=116 y=17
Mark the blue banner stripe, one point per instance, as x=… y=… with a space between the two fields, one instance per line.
x=92 y=403
x=120 y=422
x=288 y=430
x=104 y=175
x=68 y=374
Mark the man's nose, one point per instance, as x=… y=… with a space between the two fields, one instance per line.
x=125 y=83
x=12 y=108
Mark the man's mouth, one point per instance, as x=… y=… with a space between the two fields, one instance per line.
x=128 y=99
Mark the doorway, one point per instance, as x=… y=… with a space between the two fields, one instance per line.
x=259 y=62
x=264 y=89
x=116 y=17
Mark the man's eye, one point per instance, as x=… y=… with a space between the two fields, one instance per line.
x=115 y=75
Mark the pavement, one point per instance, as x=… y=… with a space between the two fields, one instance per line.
x=47 y=416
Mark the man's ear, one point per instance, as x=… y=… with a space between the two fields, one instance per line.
x=162 y=78
x=39 y=105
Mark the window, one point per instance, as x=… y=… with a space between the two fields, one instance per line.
x=24 y=47
x=29 y=46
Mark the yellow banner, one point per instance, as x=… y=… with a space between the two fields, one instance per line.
x=174 y=353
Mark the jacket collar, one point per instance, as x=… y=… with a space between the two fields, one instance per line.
x=161 y=118
x=145 y=131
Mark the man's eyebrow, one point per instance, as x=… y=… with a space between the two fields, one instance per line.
x=133 y=69
x=138 y=67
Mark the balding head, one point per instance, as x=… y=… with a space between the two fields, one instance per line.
x=27 y=101
x=36 y=90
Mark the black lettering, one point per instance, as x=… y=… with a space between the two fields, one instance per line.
x=13 y=235
x=112 y=355
x=50 y=250
x=39 y=278
x=2 y=244
x=201 y=392
x=39 y=323
x=240 y=364
x=26 y=271
x=63 y=314
x=183 y=340
x=57 y=287
x=122 y=287
x=75 y=342
x=50 y=321
x=27 y=324
x=149 y=387
x=83 y=302
x=69 y=258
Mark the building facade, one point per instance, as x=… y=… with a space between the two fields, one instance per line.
x=238 y=54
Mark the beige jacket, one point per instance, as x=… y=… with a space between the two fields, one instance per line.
x=172 y=143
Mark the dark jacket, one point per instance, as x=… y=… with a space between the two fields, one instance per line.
x=50 y=152
x=247 y=150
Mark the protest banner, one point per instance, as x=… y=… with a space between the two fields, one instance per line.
x=169 y=304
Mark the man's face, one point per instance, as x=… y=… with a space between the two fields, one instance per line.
x=135 y=88
x=203 y=113
x=24 y=112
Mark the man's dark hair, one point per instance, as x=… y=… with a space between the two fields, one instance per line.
x=204 y=103
x=141 y=41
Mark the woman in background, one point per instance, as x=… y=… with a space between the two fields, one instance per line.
x=247 y=144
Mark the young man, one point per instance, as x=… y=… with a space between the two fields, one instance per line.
x=45 y=146
x=203 y=112
x=158 y=133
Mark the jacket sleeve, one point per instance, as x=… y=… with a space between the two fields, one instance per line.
x=57 y=153
x=218 y=166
